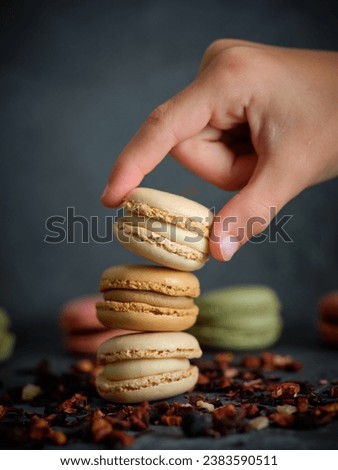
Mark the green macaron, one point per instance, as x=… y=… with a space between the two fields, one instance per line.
x=4 y=320
x=7 y=342
x=7 y=339
x=239 y=318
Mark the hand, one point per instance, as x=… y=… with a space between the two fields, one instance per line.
x=259 y=119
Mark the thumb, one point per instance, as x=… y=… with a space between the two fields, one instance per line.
x=250 y=211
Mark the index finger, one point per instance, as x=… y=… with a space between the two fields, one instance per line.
x=174 y=121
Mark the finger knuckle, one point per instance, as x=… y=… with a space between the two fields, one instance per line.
x=235 y=58
x=240 y=65
x=185 y=149
x=216 y=46
x=158 y=115
x=220 y=45
x=213 y=50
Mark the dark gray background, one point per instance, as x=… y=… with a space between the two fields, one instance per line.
x=77 y=79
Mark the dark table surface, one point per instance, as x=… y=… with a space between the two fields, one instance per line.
x=319 y=362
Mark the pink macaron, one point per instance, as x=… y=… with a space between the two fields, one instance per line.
x=88 y=343
x=83 y=331
x=80 y=314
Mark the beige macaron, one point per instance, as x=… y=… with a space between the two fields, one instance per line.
x=165 y=228
x=147 y=366
x=147 y=298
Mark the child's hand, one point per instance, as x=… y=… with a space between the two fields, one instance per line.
x=257 y=118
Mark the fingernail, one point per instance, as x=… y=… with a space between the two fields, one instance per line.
x=105 y=191
x=229 y=245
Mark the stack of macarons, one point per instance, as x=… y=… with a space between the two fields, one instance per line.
x=156 y=301
x=7 y=339
x=240 y=317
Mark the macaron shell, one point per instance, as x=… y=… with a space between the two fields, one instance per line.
x=80 y=314
x=148 y=297
x=328 y=332
x=153 y=251
x=170 y=203
x=7 y=343
x=238 y=300
x=88 y=343
x=150 y=278
x=144 y=317
x=143 y=367
x=4 y=320
x=149 y=346
x=152 y=387
x=245 y=320
x=237 y=339
x=328 y=306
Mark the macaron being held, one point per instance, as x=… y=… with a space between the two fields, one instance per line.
x=147 y=366
x=328 y=318
x=148 y=298
x=239 y=318
x=165 y=228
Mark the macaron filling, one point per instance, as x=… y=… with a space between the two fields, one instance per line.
x=195 y=240
x=143 y=367
x=148 y=297
x=154 y=285
x=187 y=223
x=115 y=356
x=144 y=317
x=105 y=385
x=145 y=308
x=140 y=234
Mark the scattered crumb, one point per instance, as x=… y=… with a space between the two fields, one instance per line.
x=286 y=409
x=232 y=396
x=30 y=391
x=205 y=405
x=259 y=423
